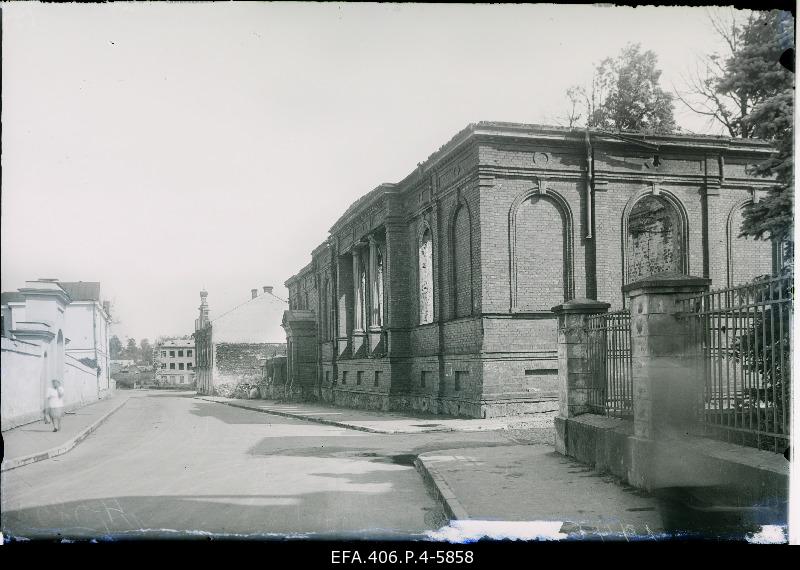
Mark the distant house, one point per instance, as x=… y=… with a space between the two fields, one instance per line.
x=234 y=346
x=47 y=334
x=175 y=361
x=120 y=363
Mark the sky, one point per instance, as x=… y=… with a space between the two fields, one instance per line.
x=164 y=148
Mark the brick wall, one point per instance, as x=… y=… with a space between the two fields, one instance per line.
x=540 y=254
x=749 y=257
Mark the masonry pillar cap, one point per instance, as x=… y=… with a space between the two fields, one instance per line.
x=667 y=282
x=581 y=306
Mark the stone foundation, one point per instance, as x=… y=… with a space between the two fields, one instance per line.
x=608 y=445
x=360 y=400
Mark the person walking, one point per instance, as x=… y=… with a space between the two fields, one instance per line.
x=55 y=403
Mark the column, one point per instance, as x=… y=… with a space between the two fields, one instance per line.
x=373 y=284
x=359 y=335
x=375 y=323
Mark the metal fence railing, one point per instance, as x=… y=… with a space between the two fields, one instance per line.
x=740 y=338
x=610 y=364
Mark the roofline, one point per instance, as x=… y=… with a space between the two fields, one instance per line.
x=488 y=129
x=361 y=203
x=309 y=267
x=532 y=132
x=242 y=304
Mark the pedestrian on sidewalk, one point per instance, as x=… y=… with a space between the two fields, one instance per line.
x=55 y=403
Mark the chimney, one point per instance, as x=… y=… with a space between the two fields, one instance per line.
x=254 y=292
x=268 y=289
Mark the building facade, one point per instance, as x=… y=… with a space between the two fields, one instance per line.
x=234 y=346
x=87 y=326
x=175 y=362
x=434 y=293
x=43 y=339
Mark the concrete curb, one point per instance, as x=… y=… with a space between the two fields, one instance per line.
x=316 y=420
x=61 y=449
x=441 y=490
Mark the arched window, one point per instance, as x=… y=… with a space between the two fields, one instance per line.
x=324 y=316
x=655 y=239
x=331 y=310
x=378 y=292
x=59 y=372
x=462 y=263
x=425 y=268
x=361 y=293
x=46 y=375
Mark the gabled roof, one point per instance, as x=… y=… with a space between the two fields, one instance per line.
x=81 y=290
x=257 y=320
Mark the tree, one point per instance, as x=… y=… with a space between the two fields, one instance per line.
x=146 y=351
x=115 y=346
x=764 y=349
x=624 y=94
x=131 y=351
x=703 y=95
x=756 y=68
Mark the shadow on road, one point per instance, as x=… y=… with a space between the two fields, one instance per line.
x=228 y=414
x=169 y=394
x=224 y=516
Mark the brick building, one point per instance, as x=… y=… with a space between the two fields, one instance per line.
x=434 y=293
x=234 y=346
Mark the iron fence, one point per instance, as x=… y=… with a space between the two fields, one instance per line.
x=610 y=364
x=741 y=340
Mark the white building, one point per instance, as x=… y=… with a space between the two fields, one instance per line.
x=87 y=326
x=43 y=339
x=175 y=361
x=233 y=346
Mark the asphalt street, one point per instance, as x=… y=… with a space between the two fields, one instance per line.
x=170 y=465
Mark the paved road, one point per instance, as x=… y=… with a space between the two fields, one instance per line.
x=173 y=465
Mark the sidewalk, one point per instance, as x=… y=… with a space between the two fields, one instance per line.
x=530 y=488
x=390 y=422
x=37 y=441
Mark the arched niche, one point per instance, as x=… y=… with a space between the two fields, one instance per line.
x=461 y=259
x=425 y=274
x=748 y=257
x=540 y=251
x=655 y=236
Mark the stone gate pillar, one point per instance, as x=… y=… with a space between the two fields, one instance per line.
x=666 y=380
x=574 y=377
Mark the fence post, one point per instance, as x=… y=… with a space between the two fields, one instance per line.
x=665 y=380
x=573 y=366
